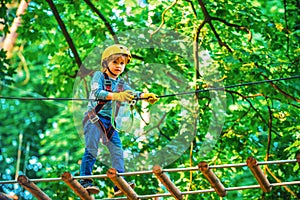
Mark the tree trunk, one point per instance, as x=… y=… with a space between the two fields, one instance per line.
x=10 y=39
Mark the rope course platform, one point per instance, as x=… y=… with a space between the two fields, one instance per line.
x=160 y=174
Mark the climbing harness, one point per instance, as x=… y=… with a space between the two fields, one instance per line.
x=92 y=115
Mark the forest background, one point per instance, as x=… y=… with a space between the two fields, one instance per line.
x=44 y=51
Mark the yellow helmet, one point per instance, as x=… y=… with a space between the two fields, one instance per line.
x=115 y=49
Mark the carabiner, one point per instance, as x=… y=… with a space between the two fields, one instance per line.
x=133 y=101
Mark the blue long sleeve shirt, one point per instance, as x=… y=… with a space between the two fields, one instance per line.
x=98 y=92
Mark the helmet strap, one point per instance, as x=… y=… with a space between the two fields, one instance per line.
x=105 y=65
x=111 y=72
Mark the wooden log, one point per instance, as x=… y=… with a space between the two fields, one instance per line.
x=165 y=180
x=259 y=175
x=212 y=178
x=298 y=159
x=76 y=186
x=121 y=184
x=32 y=188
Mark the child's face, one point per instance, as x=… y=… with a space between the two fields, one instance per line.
x=117 y=65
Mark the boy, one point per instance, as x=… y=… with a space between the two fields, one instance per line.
x=106 y=86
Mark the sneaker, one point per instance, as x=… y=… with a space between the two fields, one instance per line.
x=88 y=185
x=119 y=192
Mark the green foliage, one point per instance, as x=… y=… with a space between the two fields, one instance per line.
x=5 y=71
x=259 y=120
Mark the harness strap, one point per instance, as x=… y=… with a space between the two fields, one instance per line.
x=108 y=131
x=93 y=115
x=107 y=82
x=107 y=87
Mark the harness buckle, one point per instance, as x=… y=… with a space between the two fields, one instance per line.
x=107 y=82
x=94 y=119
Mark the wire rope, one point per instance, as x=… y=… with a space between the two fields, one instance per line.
x=161 y=96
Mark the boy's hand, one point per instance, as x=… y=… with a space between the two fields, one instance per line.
x=150 y=97
x=123 y=96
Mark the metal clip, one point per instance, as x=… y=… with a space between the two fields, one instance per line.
x=133 y=101
x=94 y=119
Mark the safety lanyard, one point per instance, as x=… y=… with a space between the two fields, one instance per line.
x=132 y=105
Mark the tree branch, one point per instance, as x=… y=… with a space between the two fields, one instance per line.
x=221 y=43
x=286 y=28
x=83 y=71
x=250 y=103
x=162 y=134
x=196 y=49
x=108 y=26
x=157 y=126
x=208 y=19
x=270 y=122
x=235 y=26
x=193 y=8
x=163 y=18
x=279 y=181
x=191 y=153
x=281 y=91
